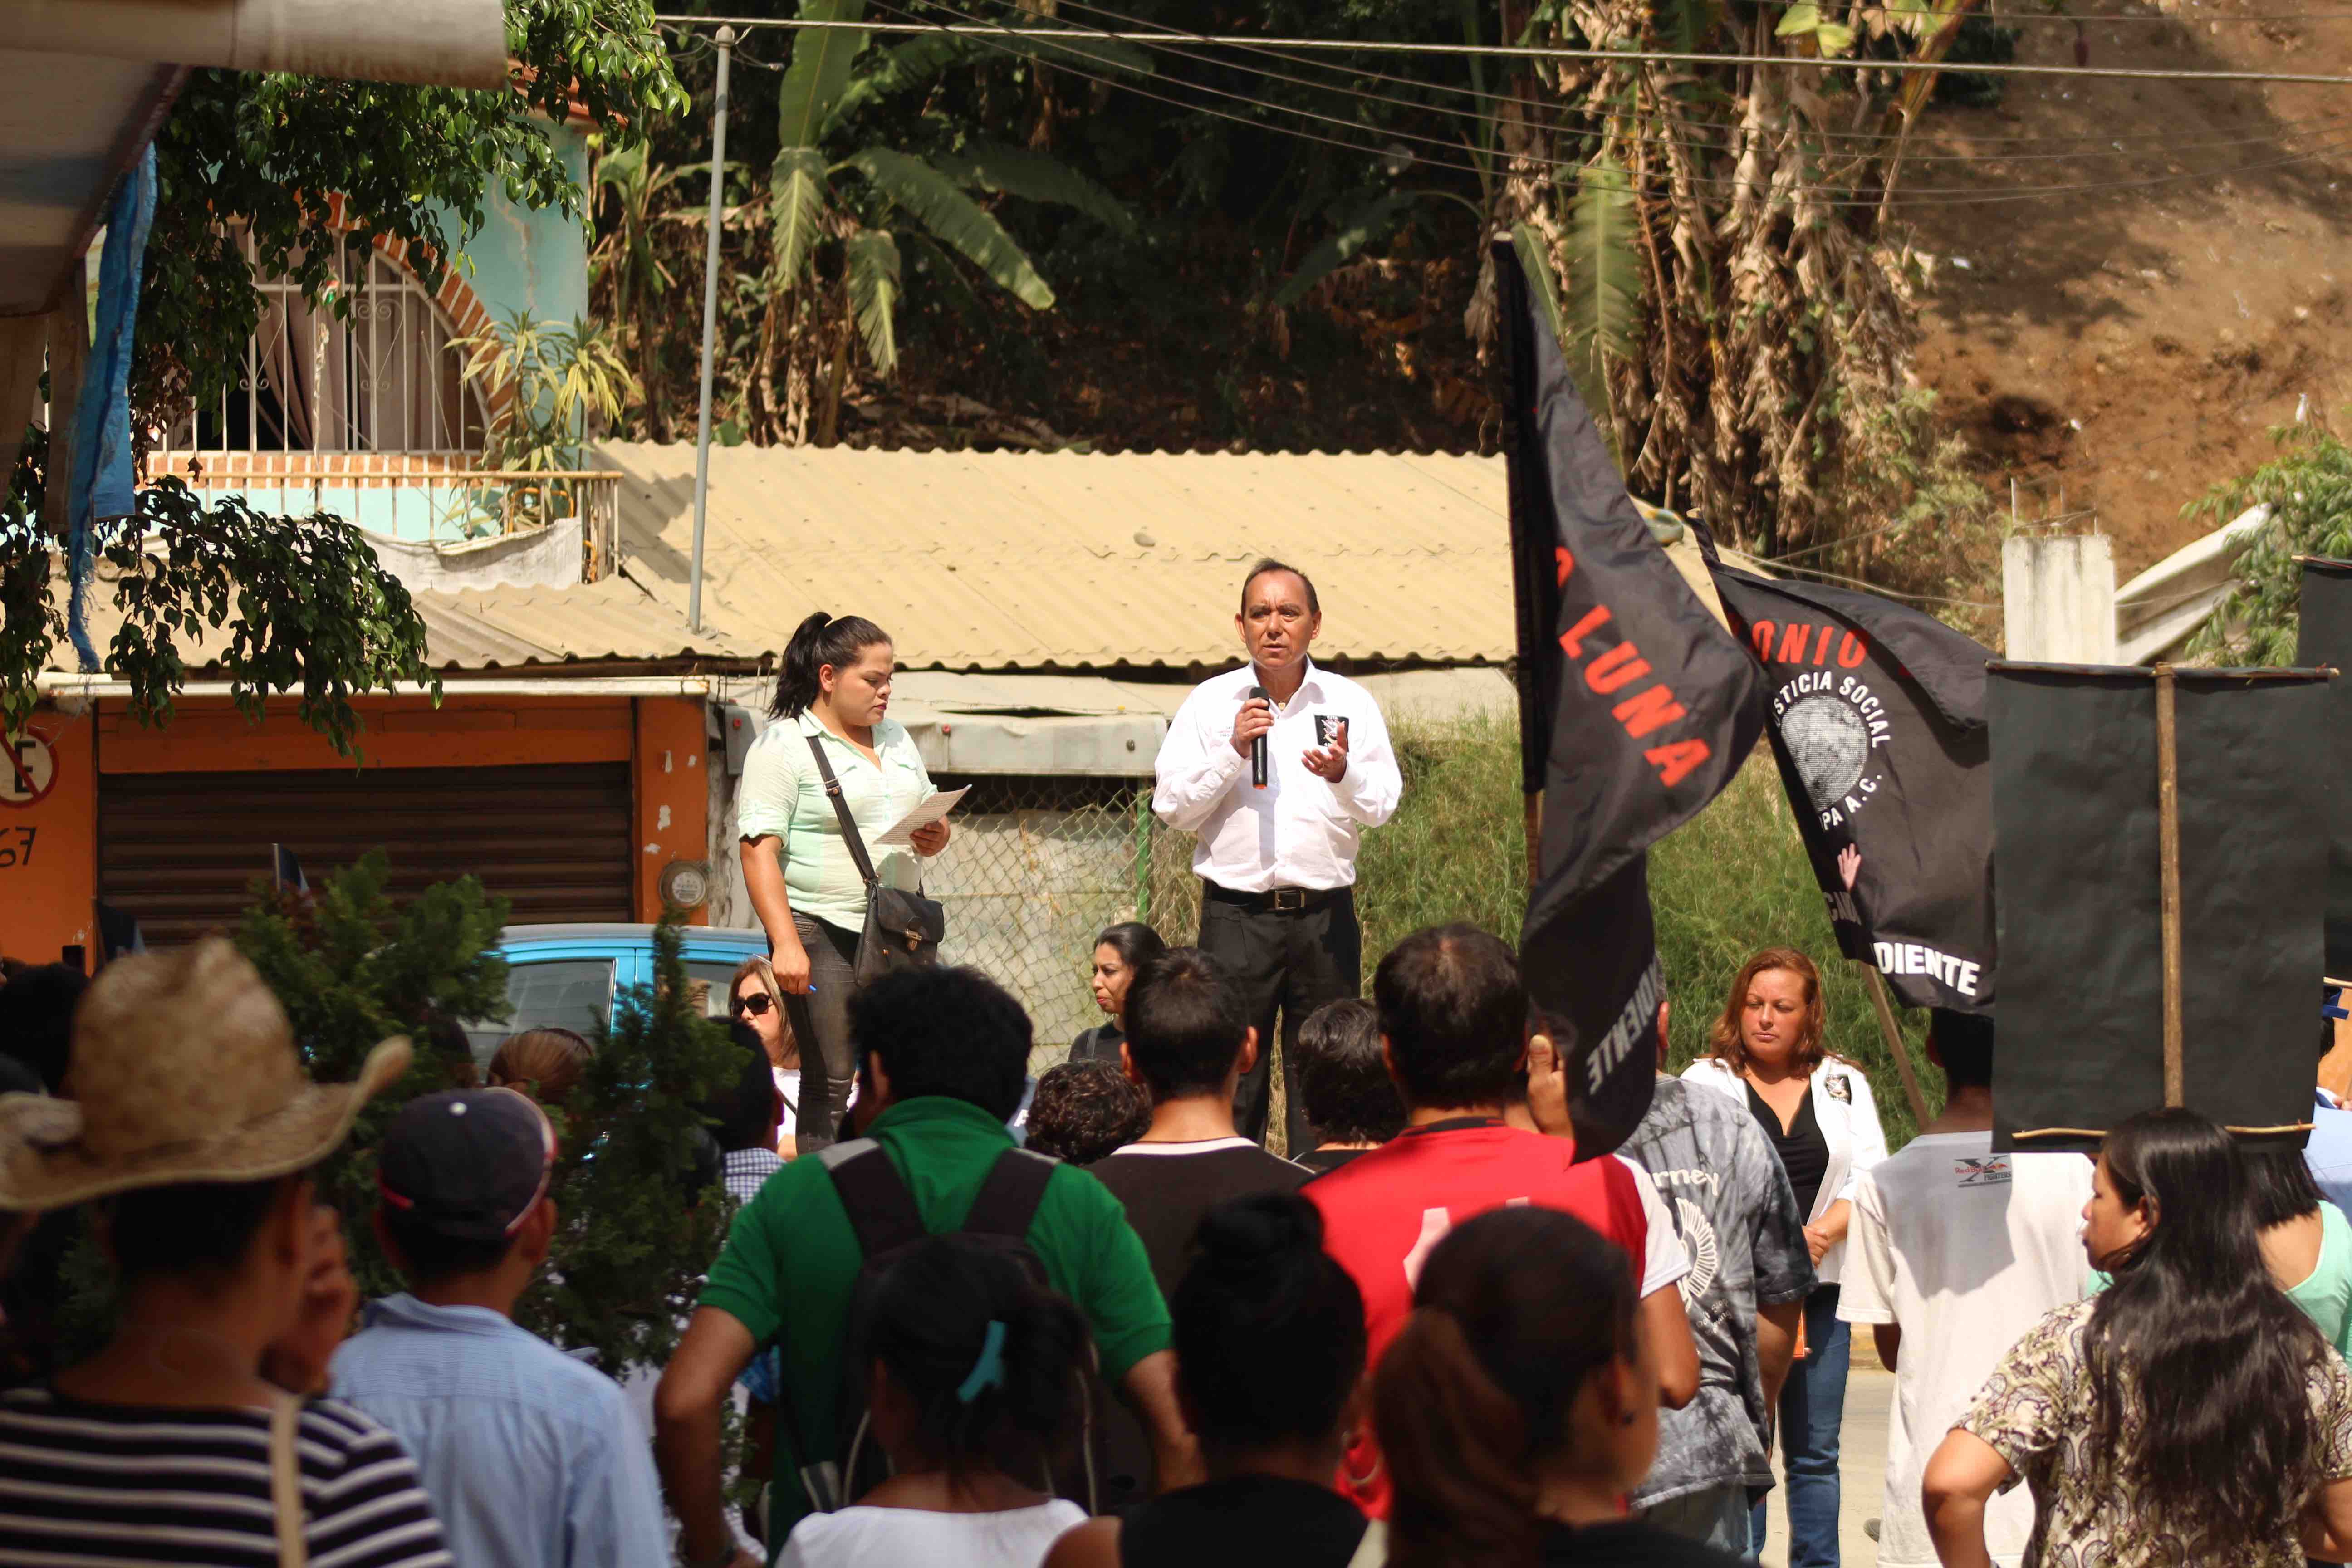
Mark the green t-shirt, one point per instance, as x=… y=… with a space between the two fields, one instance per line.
x=2326 y=1295
x=792 y=1258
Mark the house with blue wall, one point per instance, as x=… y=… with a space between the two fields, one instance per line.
x=366 y=411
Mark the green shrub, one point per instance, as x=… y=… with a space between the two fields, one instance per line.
x=2308 y=488
x=351 y=967
x=1730 y=882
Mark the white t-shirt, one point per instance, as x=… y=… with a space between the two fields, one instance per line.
x=1663 y=1259
x=788 y=1084
x=912 y=1538
x=1964 y=1250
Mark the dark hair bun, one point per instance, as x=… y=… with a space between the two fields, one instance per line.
x=1251 y=1233
x=1269 y=1331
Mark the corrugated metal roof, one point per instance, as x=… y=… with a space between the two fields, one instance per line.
x=1013 y=560
x=507 y=628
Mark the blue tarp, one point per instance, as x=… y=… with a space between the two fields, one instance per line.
x=102 y=475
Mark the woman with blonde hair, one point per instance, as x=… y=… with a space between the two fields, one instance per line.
x=1818 y=1112
x=547 y=1064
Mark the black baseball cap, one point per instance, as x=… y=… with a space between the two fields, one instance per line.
x=467 y=1163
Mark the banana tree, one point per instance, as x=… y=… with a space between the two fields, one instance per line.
x=842 y=220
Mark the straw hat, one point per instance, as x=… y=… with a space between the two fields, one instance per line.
x=184 y=1069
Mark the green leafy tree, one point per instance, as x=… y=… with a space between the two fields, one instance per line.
x=2308 y=490
x=250 y=160
x=840 y=220
x=352 y=966
x=288 y=604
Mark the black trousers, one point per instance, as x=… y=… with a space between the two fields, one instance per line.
x=1289 y=962
x=820 y=1024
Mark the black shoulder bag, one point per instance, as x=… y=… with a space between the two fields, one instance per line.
x=903 y=929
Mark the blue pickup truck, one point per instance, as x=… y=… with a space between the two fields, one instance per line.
x=566 y=976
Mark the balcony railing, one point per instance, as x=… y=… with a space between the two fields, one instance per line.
x=421 y=502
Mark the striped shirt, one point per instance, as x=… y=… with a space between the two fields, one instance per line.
x=110 y=1486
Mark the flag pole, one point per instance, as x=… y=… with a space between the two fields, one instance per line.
x=2167 y=819
x=1893 y=1033
x=1535 y=836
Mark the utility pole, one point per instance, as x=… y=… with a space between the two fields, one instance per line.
x=725 y=39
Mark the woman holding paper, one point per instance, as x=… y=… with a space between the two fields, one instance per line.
x=835 y=690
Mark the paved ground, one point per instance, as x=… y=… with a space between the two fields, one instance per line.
x=1862 y=1447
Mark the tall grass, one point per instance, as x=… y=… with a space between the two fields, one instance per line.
x=1731 y=881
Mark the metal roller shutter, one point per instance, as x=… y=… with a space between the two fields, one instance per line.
x=179 y=851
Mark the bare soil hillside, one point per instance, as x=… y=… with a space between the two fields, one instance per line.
x=2121 y=346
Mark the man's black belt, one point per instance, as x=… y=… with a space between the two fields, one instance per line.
x=1275 y=901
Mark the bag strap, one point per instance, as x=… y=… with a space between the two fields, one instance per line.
x=285 y=1482
x=880 y=1205
x=841 y=810
x=1007 y=1201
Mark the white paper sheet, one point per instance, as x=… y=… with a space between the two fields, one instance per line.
x=932 y=810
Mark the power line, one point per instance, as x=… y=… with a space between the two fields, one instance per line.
x=1958 y=196
x=986 y=33
x=1516 y=51
x=2101 y=19
x=2170 y=141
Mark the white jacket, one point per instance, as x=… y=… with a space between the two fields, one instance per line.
x=1848 y=1116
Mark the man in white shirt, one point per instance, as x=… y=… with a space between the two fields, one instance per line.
x=1954 y=1253
x=1278 y=860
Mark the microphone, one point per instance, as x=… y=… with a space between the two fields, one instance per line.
x=1257 y=747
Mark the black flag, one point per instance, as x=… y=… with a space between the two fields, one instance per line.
x=2075 y=805
x=2326 y=638
x=1636 y=709
x=1877 y=718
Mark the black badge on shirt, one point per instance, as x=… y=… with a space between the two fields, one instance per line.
x=1877 y=720
x=1636 y=708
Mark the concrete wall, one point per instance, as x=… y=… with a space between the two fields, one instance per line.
x=2058 y=598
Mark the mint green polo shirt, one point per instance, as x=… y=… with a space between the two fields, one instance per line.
x=781 y=795
x=792 y=1258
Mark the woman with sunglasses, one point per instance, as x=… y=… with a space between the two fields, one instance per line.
x=752 y=998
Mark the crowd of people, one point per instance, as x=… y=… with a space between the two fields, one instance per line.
x=1438 y=1337
x=1091 y=1319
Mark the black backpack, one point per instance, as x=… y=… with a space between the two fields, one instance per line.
x=881 y=1210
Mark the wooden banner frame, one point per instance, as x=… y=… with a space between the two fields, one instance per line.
x=2167 y=806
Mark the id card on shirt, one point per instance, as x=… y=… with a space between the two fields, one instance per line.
x=1330 y=728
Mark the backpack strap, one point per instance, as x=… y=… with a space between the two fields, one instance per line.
x=880 y=1205
x=1008 y=1199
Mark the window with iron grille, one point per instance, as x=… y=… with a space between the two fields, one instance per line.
x=371 y=368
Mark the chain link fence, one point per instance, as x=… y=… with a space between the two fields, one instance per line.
x=1037 y=866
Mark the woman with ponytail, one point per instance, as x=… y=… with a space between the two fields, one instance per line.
x=2187 y=1414
x=1519 y=1404
x=971 y=1381
x=804 y=884
x=1270 y=1369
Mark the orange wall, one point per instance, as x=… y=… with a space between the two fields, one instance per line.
x=47 y=899
x=673 y=795
x=212 y=736
x=49 y=884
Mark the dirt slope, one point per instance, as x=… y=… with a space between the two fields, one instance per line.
x=2127 y=346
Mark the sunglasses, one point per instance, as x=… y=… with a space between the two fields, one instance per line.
x=757 y=1005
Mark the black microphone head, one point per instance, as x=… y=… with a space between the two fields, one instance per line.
x=1256 y=692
